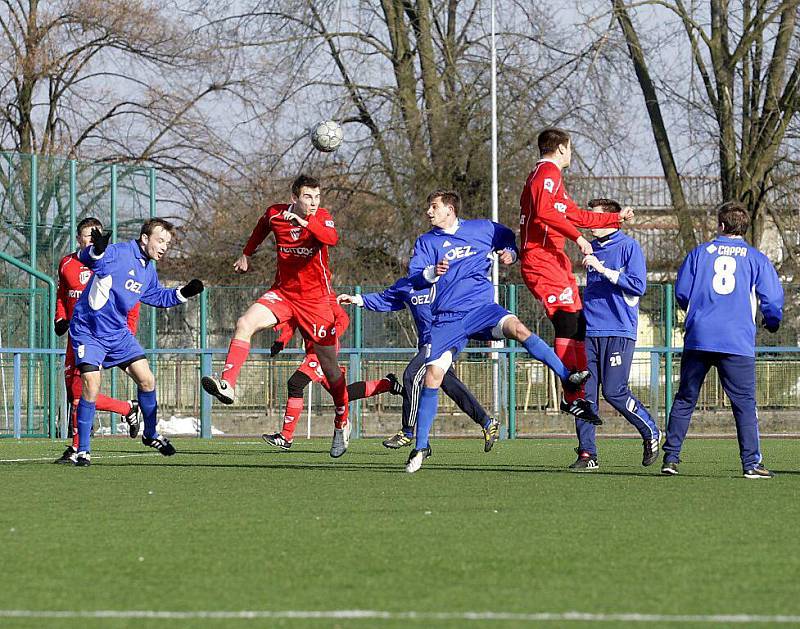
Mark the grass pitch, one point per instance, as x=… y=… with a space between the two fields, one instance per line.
x=231 y=527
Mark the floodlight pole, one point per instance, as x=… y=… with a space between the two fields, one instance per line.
x=495 y=213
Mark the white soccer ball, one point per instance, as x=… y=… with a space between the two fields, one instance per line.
x=327 y=136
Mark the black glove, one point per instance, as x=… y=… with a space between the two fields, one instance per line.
x=276 y=348
x=771 y=327
x=61 y=326
x=100 y=241
x=194 y=287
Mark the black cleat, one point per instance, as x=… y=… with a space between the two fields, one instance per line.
x=83 y=459
x=759 y=471
x=161 y=444
x=585 y=461
x=581 y=409
x=132 y=418
x=397 y=440
x=397 y=386
x=277 y=440
x=670 y=469
x=69 y=456
x=490 y=434
x=650 y=450
x=575 y=380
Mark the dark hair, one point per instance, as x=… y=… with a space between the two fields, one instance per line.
x=304 y=181
x=734 y=218
x=448 y=197
x=608 y=205
x=550 y=139
x=89 y=221
x=150 y=225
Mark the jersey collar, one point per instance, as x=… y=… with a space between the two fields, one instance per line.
x=605 y=240
x=450 y=230
x=547 y=159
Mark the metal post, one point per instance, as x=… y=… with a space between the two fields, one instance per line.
x=512 y=369
x=669 y=315
x=205 y=369
x=32 y=319
x=112 y=417
x=655 y=373
x=355 y=361
x=17 y=396
x=73 y=202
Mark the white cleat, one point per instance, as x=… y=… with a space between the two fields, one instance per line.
x=415 y=459
x=219 y=388
x=341 y=440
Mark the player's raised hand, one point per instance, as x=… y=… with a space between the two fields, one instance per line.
x=100 y=241
x=61 y=326
x=441 y=267
x=585 y=246
x=294 y=219
x=241 y=265
x=626 y=214
x=506 y=257
x=591 y=262
x=192 y=288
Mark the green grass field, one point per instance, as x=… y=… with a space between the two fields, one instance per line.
x=232 y=527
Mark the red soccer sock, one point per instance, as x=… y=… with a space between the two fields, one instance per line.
x=294 y=408
x=338 y=391
x=105 y=403
x=367 y=388
x=73 y=419
x=573 y=354
x=237 y=354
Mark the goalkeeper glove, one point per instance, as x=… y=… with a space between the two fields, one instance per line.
x=276 y=348
x=771 y=326
x=61 y=326
x=194 y=287
x=100 y=241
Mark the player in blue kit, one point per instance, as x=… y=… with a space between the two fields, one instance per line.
x=717 y=285
x=124 y=274
x=400 y=295
x=455 y=256
x=616 y=277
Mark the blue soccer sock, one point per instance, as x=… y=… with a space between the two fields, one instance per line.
x=85 y=420
x=542 y=352
x=428 y=403
x=149 y=407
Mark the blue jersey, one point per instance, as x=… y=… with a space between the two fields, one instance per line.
x=719 y=285
x=402 y=294
x=611 y=300
x=123 y=276
x=468 y=246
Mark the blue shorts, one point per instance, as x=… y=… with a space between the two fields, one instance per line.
x=104 y=352
x=452 y=334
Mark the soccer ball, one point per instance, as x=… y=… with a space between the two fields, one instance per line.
x=327 y=136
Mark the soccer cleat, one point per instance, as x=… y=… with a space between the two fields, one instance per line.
x=670 y=468
x=415 y=459
x=397 y=386
x=650 y=450
x=397 y=440
x=575 y=380
x=759 y=471
x=219 y=388
x=581 y=409
x=69 y=456
x=83 y=459
x=490 y=434
x=277 y=440
x=341 y=440
x=160 y=443
x=585 y=461
x=134 y=423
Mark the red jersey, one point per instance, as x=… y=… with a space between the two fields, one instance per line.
x=73 y=276
x=547 y=214
x=303 y=267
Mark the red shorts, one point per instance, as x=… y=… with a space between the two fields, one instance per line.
x=314 y=317
x=548 y=275
x=72 y=375
x=312 y=369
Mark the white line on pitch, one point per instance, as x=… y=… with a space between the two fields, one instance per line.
x=94 y=456
x=357 y=614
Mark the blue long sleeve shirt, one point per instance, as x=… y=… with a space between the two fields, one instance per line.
x=611 y=300
x=468 y=246
x=400 y=295
x=123 y=276
x=721 y=284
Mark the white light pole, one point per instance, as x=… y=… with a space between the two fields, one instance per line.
x=495 y=213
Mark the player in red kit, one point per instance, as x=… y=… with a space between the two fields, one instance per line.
x=310 y=371
x=301 y=291
x=73 y=276
x=548 y=217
